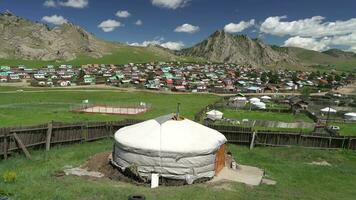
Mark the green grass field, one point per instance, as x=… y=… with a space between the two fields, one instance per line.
x=261 y=115
x=346 y=129
x=38 y=106
x=296 y=178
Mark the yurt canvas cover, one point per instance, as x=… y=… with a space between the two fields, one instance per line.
x=214 y=115
x=176 y=149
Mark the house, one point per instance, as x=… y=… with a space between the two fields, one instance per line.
x=254 y=89
x=89 y=80
x=14 y=78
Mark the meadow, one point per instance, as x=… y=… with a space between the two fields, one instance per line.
x=41 y=106
x=262 y=115
x=290 y=167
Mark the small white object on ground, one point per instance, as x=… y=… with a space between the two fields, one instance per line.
x=268 y=181
x=154 y=180
x=320 y=163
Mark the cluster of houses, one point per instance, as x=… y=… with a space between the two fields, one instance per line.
x=218 y=78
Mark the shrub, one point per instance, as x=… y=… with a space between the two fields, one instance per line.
x=9 y=176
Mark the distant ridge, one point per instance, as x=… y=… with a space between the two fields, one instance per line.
x=225 y=47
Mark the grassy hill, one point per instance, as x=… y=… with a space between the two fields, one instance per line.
x=315 y=60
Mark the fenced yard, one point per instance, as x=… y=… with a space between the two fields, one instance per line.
x=113 y=109
x=46 y=135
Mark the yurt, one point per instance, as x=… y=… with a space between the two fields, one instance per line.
x=170 y=146
x=259 y=105
x=328 y=110
x=350 y=116
x=266 y=98
x=255 y=100
x=214 y=115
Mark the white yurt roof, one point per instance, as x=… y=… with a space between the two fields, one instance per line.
x=240 y=99
x=328 y=109
x=214 y=112
x=254 y=99
x=165 y=134
x=351 y=114
x=260 y=105
x=266 y=97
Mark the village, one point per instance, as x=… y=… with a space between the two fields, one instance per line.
x=179 y=77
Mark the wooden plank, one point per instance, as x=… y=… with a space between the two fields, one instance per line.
x=21 y=145
x=5 y=146
x=49 y=136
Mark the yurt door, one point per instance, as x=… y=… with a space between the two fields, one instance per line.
x=220 y=159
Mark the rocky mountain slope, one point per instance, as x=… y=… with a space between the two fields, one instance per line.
x=27 y=40
x=20 y=38
x=225 y=47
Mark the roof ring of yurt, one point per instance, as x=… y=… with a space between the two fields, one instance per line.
x=171 y=147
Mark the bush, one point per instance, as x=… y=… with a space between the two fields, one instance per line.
x=9 y=176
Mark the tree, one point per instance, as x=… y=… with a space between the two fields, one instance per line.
x=295 y=77
x=151 y=76
x=273 y=78
x=337 y=77
x=312 y=76
x=305 y=92
x=330 y=79
x=264 y=77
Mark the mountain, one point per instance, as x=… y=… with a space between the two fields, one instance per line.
x=35 y=44
x=340 y=54
x=225 y=47
x=27 y=40
x=240 y=49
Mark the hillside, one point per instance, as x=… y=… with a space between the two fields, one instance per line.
x=240 y=49
x=23 y=41
x=225 y=47
x=328 y=60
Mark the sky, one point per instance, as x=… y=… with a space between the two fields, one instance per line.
x=175 y=24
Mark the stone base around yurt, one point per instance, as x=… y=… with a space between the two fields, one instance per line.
x=101 y=163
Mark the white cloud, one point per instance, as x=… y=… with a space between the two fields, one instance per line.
x=160 y=41
x=187 y=28
x=54 y=19
x=309 y=27
x=313 y=33
x=170 y=4
x=74 y=3
x=307 y=43
x=123 y=13
x=50 y=4
x=173 y=45
x=138 y=22
x=235 y=28
x=109 y=25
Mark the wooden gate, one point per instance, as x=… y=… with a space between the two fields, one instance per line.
x=220 y=159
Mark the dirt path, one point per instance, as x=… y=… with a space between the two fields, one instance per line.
x=349 y=89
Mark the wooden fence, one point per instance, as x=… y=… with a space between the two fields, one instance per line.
x=44 y=136
x=240 y=135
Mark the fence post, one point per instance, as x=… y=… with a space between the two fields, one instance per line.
x=349 y=144
x=253 y=140
x=49 y=136
x=5 y=146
